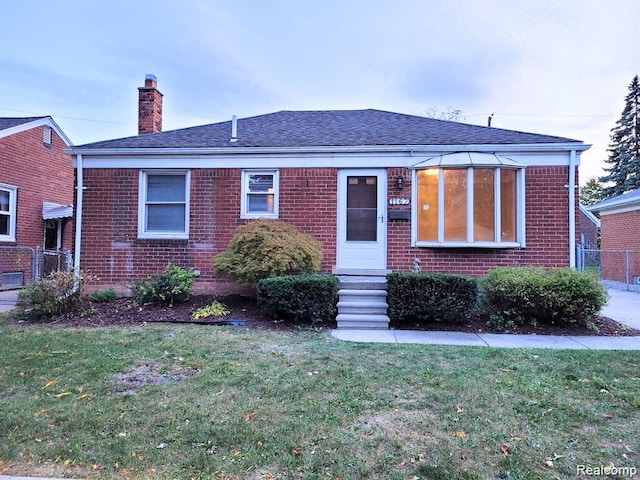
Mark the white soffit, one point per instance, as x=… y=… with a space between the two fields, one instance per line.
x=52 y=211
x=468 y=159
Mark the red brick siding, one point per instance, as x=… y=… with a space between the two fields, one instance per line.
x=547 y=231
x=308 y=200
x=620 y=232
x=41 y=173
x=112 y=252
x=588 y=229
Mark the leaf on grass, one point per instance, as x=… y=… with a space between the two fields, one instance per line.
x=460 y=434
x=84 y=395
x=49 y=384
x=504 y=448
x=62 y=394
x=249 y=416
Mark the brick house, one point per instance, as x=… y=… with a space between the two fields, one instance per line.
x=589 y=228
x=381 y=191
x=36 y=191
x=620 y=237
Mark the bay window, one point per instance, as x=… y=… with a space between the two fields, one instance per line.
x=469 y=206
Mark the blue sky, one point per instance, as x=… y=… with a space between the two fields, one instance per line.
x=559 y=67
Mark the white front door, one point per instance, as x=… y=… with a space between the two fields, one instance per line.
x=362 y=219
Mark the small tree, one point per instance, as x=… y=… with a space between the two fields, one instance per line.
x=624 y=151
x=591 y=192
x=268 y=248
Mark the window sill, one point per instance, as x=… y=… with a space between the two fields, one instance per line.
x=253 y=216
x=469 y=244
x=163 y=236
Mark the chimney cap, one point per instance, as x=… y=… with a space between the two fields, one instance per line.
x=150 y=80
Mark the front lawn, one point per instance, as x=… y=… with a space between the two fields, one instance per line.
x=193 y=401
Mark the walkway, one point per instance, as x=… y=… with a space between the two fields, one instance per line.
x=623 y=306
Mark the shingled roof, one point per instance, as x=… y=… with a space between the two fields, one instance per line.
x=328 y=128
x=6 y=122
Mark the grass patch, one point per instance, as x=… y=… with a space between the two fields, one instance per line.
x=186 y=401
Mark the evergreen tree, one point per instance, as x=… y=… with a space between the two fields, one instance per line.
x=591 y=192
x=624 y=151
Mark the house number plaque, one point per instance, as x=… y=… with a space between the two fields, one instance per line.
x=399 y=201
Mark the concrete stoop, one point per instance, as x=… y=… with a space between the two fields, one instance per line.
x=362 y=301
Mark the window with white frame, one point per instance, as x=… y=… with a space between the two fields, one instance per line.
x=8 y=213
x=163 y=209
x=259 y=194
x=475 y=206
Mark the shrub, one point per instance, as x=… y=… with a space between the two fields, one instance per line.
x=56 y=294
x=214 y=309
x=173 y=285
x=430 y=296
x=303 y=298
x=268 y=248
x=537 y=295
x=103 y=296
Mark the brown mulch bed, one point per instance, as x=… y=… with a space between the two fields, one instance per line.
x=244 y=313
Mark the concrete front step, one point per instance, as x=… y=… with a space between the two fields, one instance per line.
x=361 y=295
x=357 y=321
x=362 y=301
x=362 y=283
x=370 y=308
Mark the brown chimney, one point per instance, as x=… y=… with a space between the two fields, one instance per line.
x=149 y=106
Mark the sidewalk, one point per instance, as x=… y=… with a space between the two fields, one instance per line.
x=623 y=307
x=8 y=300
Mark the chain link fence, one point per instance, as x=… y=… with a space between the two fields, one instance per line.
x=20 y=266
x=619 y=267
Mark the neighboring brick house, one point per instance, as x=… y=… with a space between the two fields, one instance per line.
x=36 y=190
x=377 y=189
x=589 y=228
x=620 y=237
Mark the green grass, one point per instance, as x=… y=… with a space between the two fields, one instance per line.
x=222 y=403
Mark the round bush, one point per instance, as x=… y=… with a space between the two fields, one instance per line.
x=268 y=248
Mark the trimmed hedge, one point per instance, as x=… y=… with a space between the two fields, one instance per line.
x=305 y=298
x=430 y=296
x=537 y=295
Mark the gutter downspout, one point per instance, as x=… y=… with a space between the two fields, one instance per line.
x=572 y=209
x=78 y=237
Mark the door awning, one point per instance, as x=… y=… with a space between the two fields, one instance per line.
x=52 y=211
x=468 y=159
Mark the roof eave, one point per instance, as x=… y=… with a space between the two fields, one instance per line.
x=237 y=150
x=23 y=127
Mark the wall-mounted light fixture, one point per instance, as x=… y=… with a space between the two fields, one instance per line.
x=400 y=183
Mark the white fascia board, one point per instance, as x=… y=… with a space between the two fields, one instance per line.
x=48 y=121
x=414 y=149
x=620 y=208
x=595 y=220
x=373 y=157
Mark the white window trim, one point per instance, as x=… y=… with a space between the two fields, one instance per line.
x=142 y=201
x=497 y=243
x=245 y=191
x=13 y=195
